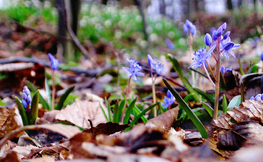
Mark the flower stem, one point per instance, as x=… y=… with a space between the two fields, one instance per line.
x=217 y=82
x=53 y=89
x=154 y=95
x=210 y=69
x=208 y=75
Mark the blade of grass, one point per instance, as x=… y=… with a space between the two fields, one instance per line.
x=104 y=113
x=34 y=108
x=116 y=112
x=63 y=98
x=109 y=109
x=129 y=111
x=188 y=110
x=224 y=104
x=208 y=108
x=138 y=112
x=141 y=114
x=204 y=95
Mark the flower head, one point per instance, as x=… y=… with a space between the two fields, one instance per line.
x=54 y=61
x=261 y=57
x=189 y=26
x=258 y=97
x=26 y=98
x=134 y=69
x=157 y=66
x=228 y=47
x=200 y=56
x=168 y=99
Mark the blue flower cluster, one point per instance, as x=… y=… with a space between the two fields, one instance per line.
x=169 y=100
x=134 y=69
x=218 y=39
x=157 y=66
x=223 y=69
x=26 y=98
x=54 y=62
x=258 y=97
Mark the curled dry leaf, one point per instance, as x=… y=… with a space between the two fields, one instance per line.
x=231 y=130
x=163 y=121
x=79 y=112
x=12 y=156
x=7 y=122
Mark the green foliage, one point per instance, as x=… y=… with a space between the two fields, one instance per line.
x=30 y=117
x=188 y=110
x=63 y=98
x=236 y=101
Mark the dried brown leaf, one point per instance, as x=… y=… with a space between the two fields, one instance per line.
x=163 y=121
x=80 y=111
x=7 y=121
x=231 y=130
x=12 y=156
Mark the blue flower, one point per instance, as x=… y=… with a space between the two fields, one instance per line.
x=261 y=57
x=169 y=44
x=226 y=35
x=258 y=97
x=208 y=40
x=200 y=56
x=54 y=61
x=228 y=47
x=157 y=66
x=223 y=69
x=189 y=26
x=169 y=100
x=134 y=69
x=26 y=98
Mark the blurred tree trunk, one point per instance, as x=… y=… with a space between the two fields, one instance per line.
x=68 y=13
x=229 y=4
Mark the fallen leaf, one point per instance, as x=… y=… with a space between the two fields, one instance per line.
x=106 y=128
x=65 y=130
x=79 y=112
x=12 y=156
x=163 y=121
x=7 y=121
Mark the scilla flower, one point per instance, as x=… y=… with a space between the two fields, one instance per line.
x=189 y=26
x=258 y=97
x=54 y=61
x=26 y=98
x=168 y=100
x=200 y=56
x=134 y=69
x=157 y=66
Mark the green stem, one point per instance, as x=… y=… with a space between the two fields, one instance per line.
x=190 y=40
x=217 y=82
x=53 y=89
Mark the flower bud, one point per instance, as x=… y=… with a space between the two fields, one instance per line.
x=208 y=40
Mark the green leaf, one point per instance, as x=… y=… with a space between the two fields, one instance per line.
x=188 y=110
x=129 y=111
x=63 y=98
x=140 y=115
x=189 y=97
x=22 y=111
x=138 y=112
x=224 y=104
x=253 y=69
x=41 y=99
x=116 y=112
x=205 y=95
x=236 y=101
x=34 y=108
x=104 y=113
x=208 y=108
x=109 y=109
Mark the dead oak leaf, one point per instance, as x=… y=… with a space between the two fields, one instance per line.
x=79 y=112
